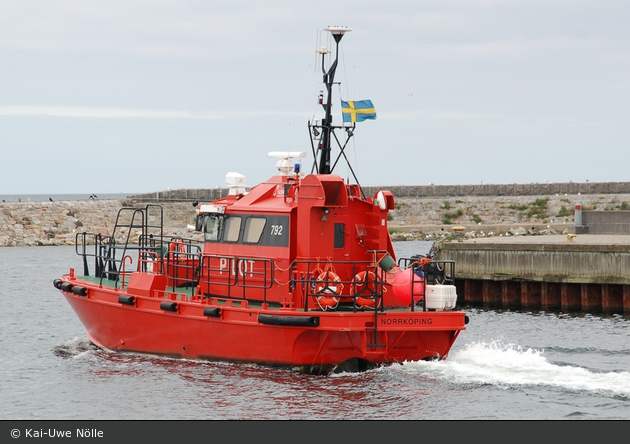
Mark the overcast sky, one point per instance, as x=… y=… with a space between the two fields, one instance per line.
x=139 y=96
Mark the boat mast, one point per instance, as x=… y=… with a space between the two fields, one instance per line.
x=329 y=77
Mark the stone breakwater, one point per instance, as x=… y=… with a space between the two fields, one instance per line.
x=414 y=217
x=482 y=216
x=57 y=223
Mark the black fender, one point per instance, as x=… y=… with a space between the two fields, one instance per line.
x=297 y=321
x=81 y=291
x=126 y=299
x=213 y=312
x=168 y=306
x=66 y=286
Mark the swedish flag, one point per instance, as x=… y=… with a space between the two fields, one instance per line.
x=357 y=111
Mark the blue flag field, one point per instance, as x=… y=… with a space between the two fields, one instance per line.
x=358 y=110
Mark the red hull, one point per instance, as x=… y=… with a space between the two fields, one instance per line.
x=238 y=335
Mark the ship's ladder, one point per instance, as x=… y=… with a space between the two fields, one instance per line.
x=372 y=336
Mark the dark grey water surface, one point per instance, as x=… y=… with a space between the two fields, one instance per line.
x=506 y=365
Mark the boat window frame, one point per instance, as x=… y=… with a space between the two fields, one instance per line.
x=248 y=227
x=253 y=229
x=229 y=231
x=339 y=235
x=217 y=232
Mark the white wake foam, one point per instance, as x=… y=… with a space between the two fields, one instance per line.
x=503 y=364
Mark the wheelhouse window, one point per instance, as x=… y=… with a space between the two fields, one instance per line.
x=212 y=226
x=254 y=227
x=231 y=229
x=268 y=230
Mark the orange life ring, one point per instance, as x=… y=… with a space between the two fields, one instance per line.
x=364 y=283
x=327 y=294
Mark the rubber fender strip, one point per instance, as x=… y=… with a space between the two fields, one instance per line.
x=126 y=299
x=168 y=306
x=66 y=286
x=213 y=312
x=81 y=291
x=298 y=321
x=57 y=283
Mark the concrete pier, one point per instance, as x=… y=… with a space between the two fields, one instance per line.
x=583 y=273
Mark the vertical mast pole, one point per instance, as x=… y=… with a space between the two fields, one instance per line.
x=329 y=77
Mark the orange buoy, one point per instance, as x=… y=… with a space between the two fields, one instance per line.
x=405 y=285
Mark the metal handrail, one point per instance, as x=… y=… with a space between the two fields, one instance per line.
x=234 y=272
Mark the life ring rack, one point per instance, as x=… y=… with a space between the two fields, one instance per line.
x=364 y=289
x=328 y=288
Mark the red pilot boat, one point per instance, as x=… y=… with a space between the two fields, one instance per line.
x=298 y=271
